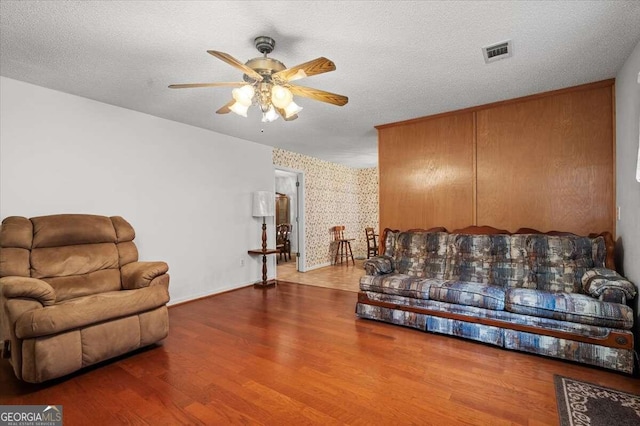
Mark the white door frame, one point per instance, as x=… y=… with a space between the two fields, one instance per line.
x=301 y=258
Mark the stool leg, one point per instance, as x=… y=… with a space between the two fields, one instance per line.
x=350 y=253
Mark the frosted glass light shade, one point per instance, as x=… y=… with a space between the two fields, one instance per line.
x=292 y=109
x=239 y=109
x=270 y=115
x=243 y=95
x=264 y=204
x=281 y=97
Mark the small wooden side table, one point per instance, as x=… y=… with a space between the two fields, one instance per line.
x=259 y=252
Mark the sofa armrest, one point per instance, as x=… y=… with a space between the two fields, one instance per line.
x=14 y=287
x=379 y=265
x=141 y=274
x=604 y=283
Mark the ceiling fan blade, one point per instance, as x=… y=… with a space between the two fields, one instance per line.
x=319 y=95
x=284 y=115
x=235 y=63
x=317 y=66
x=190 y=85
x=225 y=109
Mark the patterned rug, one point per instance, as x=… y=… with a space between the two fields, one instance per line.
x=581 y=403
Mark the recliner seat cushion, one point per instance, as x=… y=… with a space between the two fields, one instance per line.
x=74 y=286
x=84 y=311
x=572 y=307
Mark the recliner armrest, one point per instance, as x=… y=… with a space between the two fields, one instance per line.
x=140 y=274
x=607 y=283
x=13 y=287
x=379 y=265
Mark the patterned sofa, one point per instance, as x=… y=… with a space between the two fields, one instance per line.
x=554 y=294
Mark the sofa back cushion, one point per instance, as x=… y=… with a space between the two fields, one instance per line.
x=421 y=254
x=558 y=262
x=554 y=263
x=469 y=258
x=389 y=243
x=599 y=252
x=510 y=267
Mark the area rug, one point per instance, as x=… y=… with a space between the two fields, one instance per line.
x=581 y=404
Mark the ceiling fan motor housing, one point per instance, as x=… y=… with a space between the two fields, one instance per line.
x=265 y=67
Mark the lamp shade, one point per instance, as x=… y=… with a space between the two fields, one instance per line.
x=264 y=204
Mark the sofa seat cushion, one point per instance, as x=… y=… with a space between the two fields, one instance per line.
x=87 y=310
x=571 y=307
x=398 y=284
x=468 y=294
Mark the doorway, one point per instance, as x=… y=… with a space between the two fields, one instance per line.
x=289 y=184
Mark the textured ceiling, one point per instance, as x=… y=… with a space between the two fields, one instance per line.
x=395 y=60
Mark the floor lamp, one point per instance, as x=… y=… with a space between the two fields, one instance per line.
x=264 y=206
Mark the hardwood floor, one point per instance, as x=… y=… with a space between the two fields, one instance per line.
x=297 y=354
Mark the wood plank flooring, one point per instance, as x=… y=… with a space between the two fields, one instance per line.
x=296 y=355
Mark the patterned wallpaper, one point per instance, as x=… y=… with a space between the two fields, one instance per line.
x=334 y=195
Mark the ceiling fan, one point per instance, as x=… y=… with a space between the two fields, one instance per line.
x=267 y=84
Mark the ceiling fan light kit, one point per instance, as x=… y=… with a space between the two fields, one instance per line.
x=267 y=84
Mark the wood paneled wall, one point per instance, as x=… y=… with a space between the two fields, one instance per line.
x=544 y=161
x=426 y=173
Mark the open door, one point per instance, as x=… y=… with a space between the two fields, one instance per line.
x=290 y=184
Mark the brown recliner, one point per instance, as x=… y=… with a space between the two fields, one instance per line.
x=72 y=293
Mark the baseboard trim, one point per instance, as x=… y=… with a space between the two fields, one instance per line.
x=184 y=300
x=322 y=265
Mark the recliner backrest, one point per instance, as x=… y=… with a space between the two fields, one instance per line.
x=76 y=254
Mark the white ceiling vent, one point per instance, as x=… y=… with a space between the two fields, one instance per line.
x=497 y=51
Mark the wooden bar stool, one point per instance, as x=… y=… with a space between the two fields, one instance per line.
x=343 y=246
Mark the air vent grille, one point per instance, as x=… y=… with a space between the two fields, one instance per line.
x=497 y=51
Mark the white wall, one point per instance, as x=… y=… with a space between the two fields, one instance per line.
x=628 y=188
x=185 y=190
